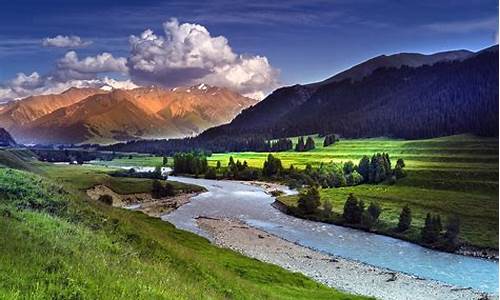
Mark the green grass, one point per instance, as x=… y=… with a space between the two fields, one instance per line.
x=449 y=175
x=57 y=245
x=83 y=177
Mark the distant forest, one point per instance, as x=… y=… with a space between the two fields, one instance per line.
x=443 y=99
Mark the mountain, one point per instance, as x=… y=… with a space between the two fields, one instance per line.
x=366 y=68
x=402 y=95
x=17 y=113
x=6 y=139
x=120 y=115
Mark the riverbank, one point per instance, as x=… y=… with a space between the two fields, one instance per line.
x=465 y=250
x=336 y=272
x=143 y=202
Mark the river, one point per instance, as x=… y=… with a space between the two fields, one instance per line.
x=252 y=205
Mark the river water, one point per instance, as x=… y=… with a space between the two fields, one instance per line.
x=253 y=206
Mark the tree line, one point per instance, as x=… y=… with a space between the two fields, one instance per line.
x=356 y=214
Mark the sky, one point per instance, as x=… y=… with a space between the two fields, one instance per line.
x=252 y=47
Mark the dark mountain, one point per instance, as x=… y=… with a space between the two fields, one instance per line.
x=440 y=96
x=395 y=61
x=430 y=100
x=6 y=139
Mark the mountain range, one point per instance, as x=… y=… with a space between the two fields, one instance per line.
x=89 y=115
x=404 y=95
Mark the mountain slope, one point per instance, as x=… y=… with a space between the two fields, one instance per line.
x=134 y=114
x=395 y=61
x=441 y=94
x=6 y=139
x=17 y=113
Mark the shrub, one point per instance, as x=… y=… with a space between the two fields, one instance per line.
x=106 y=199
x=309 y=200
x=405 y=219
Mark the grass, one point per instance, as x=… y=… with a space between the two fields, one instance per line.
x=58 y=245
x=456 y=175
x=83 y=177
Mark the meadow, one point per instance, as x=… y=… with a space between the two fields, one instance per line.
x=56 y=244
x=456 y=175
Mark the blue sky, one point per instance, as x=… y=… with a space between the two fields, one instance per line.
x=305 y=40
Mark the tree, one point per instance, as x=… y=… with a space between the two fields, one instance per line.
x=399 y=172
x=218 y=165
x=452 y=231
x=309 y=200
x=165 y=160
x=327 y=209
x=309 y=144
x=431 y=230
x=405 y=219
x=353 y=210
x=374 y=210
x=348 y=167
x=300 y=145
x=364 y=168
x=272 y=166
x=354 y=178
x=210 y=173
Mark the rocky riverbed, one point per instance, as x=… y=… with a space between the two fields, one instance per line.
x=141 y=201
x=336 y=272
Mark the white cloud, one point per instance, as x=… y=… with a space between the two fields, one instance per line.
x=187 y=54
x=65 y=41
x=23 y=85
x=71 y=67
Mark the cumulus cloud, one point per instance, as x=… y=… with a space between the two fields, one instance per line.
x=71 y=67
x=65 y=41
x=187 y=54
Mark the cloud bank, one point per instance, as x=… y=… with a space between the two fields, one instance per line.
x=187 y=54
x=183 y=55
x=65 y=41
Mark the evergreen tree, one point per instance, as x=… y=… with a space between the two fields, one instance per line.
x=327 y=209
x=452 y=231
x=300 y=145
x=272 y=166
x=405 y=219
x=430 y=231
x=309 y=144
x=353 y=210
x=374 y=210
x=364 y=168
x=309 y=201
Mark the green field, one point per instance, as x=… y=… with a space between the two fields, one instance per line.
x=55 y=244
x=449 y=175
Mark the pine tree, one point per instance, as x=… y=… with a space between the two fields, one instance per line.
x=309 y=144
x=364 y=168
x=353 y=210
x=405 y=219
x=300 y=145
x=309 y=201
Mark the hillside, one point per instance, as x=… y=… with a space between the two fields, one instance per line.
x=6 y=139
x=121 y=115
x=60 y=245
x=407 y=96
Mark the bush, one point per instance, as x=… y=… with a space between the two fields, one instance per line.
x=106 y=199
x=309 y=201
x=327 y=209
x=210 y=174
x=353 y=210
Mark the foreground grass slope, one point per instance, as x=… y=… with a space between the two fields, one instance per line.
x=456 y=175
x=57 y=245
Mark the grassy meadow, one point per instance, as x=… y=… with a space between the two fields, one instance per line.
x=56 y=244
x=449 y=175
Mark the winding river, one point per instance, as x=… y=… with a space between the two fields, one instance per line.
x=252 y=205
